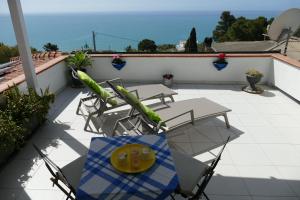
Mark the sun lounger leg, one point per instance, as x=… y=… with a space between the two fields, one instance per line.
x=172 y=98
x=78 y=107
x=87 y=122
x=226 y=120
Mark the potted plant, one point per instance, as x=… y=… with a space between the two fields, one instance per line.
x=221 y=62
x=253 y=77
x=117 y=62
x=79 y=61
x=168 y=79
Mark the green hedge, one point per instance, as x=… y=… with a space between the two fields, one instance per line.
x=17 y=109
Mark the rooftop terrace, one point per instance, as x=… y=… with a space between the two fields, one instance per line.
x=261 y=162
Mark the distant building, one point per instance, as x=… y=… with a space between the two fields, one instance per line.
x=243 y=46
x=293 y=50
x=180 y=46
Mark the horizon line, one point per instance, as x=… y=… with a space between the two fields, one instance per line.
x=136 y=11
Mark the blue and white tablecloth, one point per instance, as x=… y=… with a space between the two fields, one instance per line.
x=100 y=180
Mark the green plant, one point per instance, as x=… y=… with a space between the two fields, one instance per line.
x=254 y=72
x=166 y=48
x=11 y=135
x=191 y=43
x=230 y=28
x=79 y=60
x=50 y=47
x=19 y=114
x=21 y=107
x=297 y=33
x=3 y=102
x=147 y=45
x=117 y=60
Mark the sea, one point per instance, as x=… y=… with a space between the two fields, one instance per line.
x=116 y=30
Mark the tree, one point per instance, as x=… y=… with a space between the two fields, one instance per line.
x=206 y=45
x=297 y=33
x=33 y=50
x=50 y=47
x=191 y=43
x=240 y=29
x=166 y=48
x=7 y=52
x=147 y=45
x=247 y=30
x=130 y=49
x=219 y=34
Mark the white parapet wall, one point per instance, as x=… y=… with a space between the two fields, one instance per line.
x=287 y=78
x=278 y=70
x=186 y=69
x=55 y=77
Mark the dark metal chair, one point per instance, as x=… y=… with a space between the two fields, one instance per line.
x=68 y=176
x=191 y=171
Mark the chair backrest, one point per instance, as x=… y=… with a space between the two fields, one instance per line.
x=55 y=171
x=134 y=106
x=210 y=172
x=218 y=158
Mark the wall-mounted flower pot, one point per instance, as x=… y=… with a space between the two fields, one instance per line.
x=219 y=66
x=119 y=66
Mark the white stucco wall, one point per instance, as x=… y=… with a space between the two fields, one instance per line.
x=54 y=77
x=287 y=78
x=184 y=69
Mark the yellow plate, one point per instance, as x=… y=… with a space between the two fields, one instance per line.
x=131 y=159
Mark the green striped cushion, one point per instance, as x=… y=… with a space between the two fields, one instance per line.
x=135 y=101
x=95 y=87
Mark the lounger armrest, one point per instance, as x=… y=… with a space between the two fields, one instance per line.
x=136 y=93
x=111 y=97
x=160 y=96
x=191 y=112
x=112 y=80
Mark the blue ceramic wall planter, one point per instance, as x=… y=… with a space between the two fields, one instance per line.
x=117 y=62
x=220 y=66
x=119 y=66
x=221 y=62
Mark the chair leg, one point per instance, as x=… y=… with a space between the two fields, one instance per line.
x=69 y=196
x=205 y=196
x=226 y=120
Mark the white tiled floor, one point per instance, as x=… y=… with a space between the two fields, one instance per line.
x=262 y=162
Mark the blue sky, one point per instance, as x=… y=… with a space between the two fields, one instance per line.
x=59 y=6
